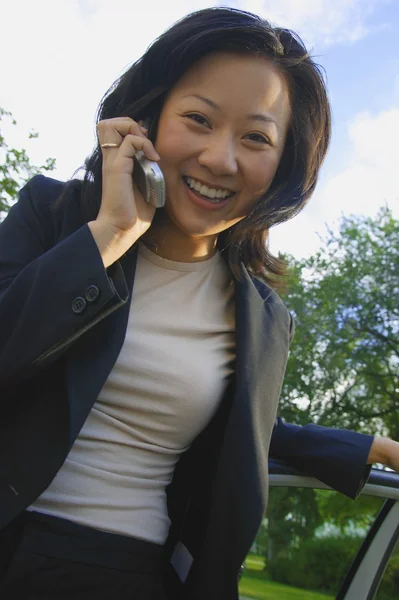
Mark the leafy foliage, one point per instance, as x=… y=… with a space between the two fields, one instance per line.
x=15 y=167
x=344 y=363
x=338 y=510
x=319 y=564
x=343 y=371
x=389 y=587
x=293 y=516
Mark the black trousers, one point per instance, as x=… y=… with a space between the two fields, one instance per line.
x=46 y=558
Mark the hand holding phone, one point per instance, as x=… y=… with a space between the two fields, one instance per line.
x=124 y=216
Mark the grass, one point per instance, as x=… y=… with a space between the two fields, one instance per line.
x=254 y=584
x=255 y=563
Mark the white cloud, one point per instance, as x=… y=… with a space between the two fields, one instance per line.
x=368 y=181
x=321 y=22
x=370 y=178
x=396 y=88
x=61 y=58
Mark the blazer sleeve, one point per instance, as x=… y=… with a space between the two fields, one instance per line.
x=337 y=457
x=48 y=296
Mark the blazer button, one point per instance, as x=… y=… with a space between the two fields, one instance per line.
x=92 y=293
x=78 y=305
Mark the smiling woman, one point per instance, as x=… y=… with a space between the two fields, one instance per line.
x=235 y=77
x=144 y=349
x=221 y=131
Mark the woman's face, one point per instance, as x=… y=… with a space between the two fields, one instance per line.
x=220 y=137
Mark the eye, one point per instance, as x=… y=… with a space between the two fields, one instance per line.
x=201 y=120
x=258 y=137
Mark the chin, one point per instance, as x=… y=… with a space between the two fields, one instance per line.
x=194 y=225
x=193 y=229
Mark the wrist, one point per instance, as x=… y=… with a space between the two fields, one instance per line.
x=111 y=243
x=381 y=451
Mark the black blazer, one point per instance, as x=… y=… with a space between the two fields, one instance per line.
x=63 y=319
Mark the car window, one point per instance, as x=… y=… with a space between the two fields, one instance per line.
x=389 y=587
x=306 y=544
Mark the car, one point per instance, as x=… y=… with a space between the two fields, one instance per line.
x=367 y=557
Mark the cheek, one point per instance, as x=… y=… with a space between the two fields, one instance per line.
x=171 y=145
x=260 y=174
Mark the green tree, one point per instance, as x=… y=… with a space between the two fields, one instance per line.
x=343 y=369
x=15 y=167
x=292 y=517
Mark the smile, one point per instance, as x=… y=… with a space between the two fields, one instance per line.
x=214 y=195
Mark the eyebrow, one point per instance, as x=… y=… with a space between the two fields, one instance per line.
x=252 y=117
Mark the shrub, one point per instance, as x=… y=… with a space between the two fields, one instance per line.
x=318 y=564
x=389 y=588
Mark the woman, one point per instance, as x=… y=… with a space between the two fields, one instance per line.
x=144 y=350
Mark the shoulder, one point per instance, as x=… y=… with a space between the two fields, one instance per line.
x=39 y=207
x=43 y=192
x=38 y=219
x=44 y=187
x=269 y=295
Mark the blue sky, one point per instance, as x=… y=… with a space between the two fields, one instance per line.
x=364 y=75
x=59 y=57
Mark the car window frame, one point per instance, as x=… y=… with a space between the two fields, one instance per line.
x=380 y=484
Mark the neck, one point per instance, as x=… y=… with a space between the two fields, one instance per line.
x=167 y=240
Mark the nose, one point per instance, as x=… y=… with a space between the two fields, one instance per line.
x=219 y=155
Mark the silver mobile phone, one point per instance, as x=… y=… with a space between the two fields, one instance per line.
x=149 y=179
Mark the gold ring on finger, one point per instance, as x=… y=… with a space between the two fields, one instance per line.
x=110 y=145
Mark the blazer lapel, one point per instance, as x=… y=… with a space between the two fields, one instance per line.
x=88 y=364
x=239 y=495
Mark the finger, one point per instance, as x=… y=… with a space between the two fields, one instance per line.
x=118 y=122
x=133 y=143
x=113 y=131
x=144 y=129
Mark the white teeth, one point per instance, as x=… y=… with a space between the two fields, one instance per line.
x=210 y=193
x=205 y=191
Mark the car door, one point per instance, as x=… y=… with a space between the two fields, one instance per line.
x=315 y=560
x=366 y=572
